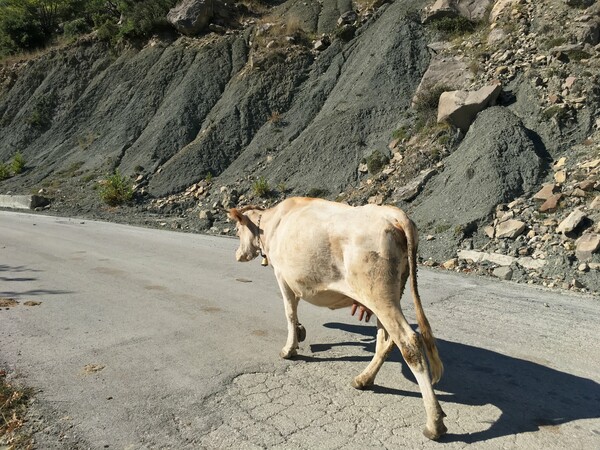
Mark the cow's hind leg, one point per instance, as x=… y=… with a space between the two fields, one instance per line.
x=290 y=303
x=384 y=342
x=410 y=344
x=382 y=350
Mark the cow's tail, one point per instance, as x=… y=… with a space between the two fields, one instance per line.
x=435 y=363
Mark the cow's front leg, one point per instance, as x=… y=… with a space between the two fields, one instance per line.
x=290 y=303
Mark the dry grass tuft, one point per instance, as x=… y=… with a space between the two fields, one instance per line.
x=13 y=405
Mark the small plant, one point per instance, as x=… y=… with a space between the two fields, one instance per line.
x=13 y=406
x=261 y=187
x=453 y=27
x=275 y=117
x=441 y=228
x=18 y=163
x=209 y=177
x=426 y=105
x=317 y=193
x=4 y=171
x=556 y=111
x=400 y=133
x=116 y=190
x=376 y=162
x=76 y=27
x=41 y=115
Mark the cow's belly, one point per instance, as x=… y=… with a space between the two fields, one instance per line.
x=329 y=299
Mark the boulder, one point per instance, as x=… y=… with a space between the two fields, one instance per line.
x=440 y=9
x=443 y=71
x=460 y=108
x=190 y=17
x=348 y=18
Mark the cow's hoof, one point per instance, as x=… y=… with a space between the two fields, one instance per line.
x=361 y=383
x=288 y=354
x=434 y=435
x=300 y=332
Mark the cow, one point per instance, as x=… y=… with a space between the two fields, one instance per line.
x=335 y=255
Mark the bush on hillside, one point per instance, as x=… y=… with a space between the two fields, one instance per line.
x=116 y=190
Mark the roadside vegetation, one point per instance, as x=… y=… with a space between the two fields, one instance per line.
x=15 y=167
x=116 y=190
x=13 y=405
x=30 y=25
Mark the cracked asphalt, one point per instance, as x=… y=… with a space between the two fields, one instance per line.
x=147 y=339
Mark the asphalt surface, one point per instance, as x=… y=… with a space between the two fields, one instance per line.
x=154 y=339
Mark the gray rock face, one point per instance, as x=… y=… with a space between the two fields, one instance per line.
x=191 y=16
x=496 y=162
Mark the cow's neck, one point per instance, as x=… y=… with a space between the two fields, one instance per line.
x=265 y=223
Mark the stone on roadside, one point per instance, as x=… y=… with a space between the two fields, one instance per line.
x=322 y=43
x=587 y=245
x=559 y=164
x=450 y=264
x=571 y=222
x=546 y=192
x=561 y=176
x=551 y=204
x=510 y=229
x=205 y=214
x=496 y=258
x=504 y=273
x=595 y=203
x=586 y=185
x=414 y=187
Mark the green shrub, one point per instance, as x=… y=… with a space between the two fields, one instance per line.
x=4 y=171
x=76 y=27
x=317 y=193
x=41 y=115
x=376 y=161
x=452 y=27
x=18 y=163
x=116 y=190
x=261 y=187
x=426 y=105
x=400 y=133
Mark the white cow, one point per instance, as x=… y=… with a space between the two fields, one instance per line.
x=334 y=255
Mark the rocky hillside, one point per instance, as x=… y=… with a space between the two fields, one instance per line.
x=480 y=118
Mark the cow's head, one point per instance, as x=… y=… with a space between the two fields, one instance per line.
x=247 y=230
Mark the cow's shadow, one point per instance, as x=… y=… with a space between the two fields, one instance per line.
x=529 y=395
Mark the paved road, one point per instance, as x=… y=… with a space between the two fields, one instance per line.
x=154 y=339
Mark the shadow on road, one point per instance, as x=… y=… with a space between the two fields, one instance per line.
x=529 y=395
x=6 y=268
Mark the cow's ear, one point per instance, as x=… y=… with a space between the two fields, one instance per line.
x=238 y=216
